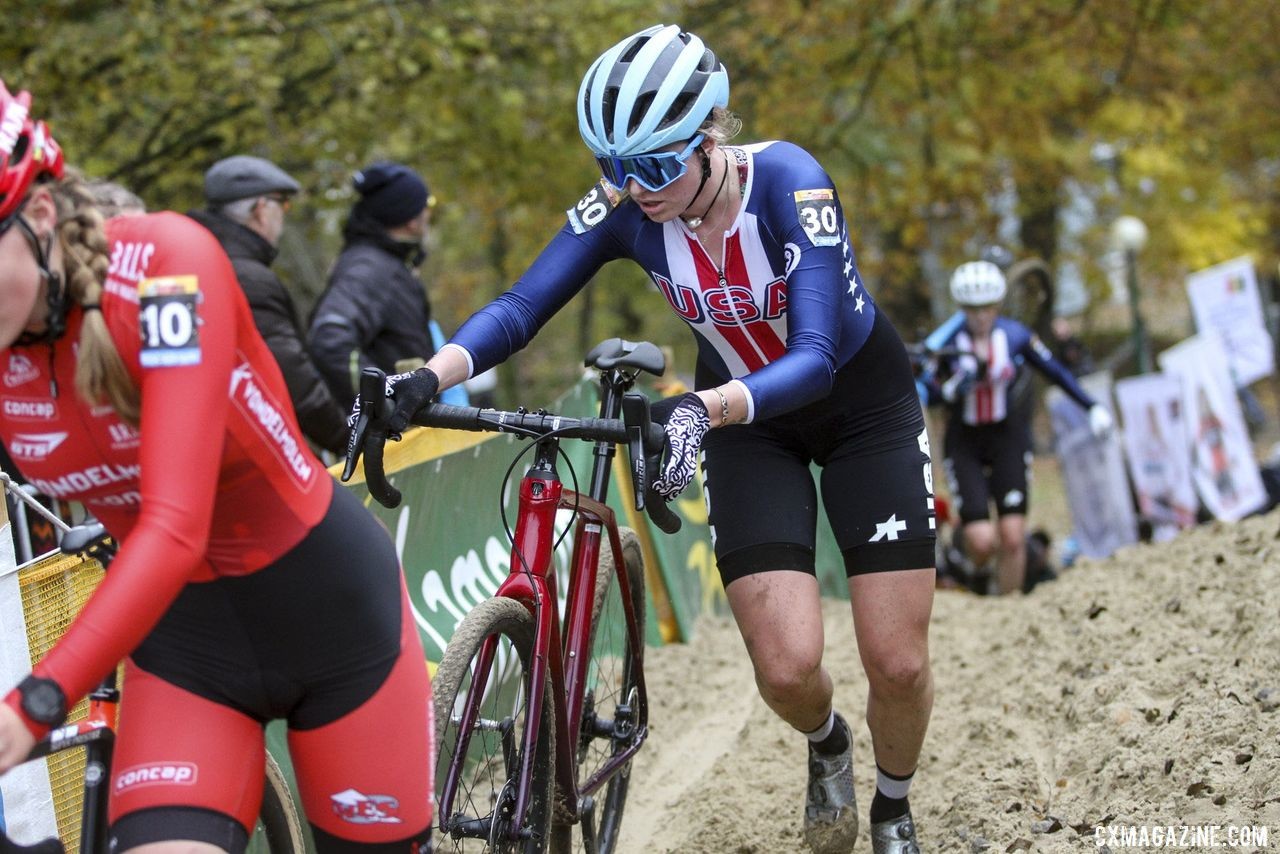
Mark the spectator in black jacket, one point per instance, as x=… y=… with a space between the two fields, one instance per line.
x=247 y=198
x=375 y=309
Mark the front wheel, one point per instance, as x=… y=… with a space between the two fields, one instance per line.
x=482 y=802
x=279 y=828
x=612 y=711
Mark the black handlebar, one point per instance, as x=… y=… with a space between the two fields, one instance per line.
x=645 y=440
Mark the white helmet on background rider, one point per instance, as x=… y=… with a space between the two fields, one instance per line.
x=650 y=90
x=977 y=283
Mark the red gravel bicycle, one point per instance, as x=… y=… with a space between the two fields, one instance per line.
x=538 y=716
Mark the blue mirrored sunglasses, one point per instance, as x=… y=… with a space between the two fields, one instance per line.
x=651 y=171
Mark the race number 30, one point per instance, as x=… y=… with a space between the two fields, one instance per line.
x=592 y=208
x=167 y=321
x=817 y=212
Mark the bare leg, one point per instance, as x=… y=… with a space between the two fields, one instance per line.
x=780 y=617
x=1012 y=564
x=891 y=622
x=979 y=542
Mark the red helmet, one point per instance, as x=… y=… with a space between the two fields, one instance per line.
x=27 y=151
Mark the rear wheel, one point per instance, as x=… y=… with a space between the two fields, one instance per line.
x=484 y=799
x=611 y=711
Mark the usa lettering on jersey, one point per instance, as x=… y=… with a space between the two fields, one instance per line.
x=729 y=305
x=168 y=321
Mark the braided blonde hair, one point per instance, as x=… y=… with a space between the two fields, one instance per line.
x=100 y=372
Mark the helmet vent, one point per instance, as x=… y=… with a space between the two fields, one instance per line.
x=640 y=110
x=634 y=48
x=682 y=104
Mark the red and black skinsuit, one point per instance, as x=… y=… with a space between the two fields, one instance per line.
x=247 y=587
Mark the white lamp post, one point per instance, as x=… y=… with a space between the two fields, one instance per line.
x=1130 y=234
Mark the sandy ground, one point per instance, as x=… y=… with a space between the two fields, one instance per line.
x=1141 y=690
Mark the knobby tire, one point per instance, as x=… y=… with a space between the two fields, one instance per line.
x=279 y=825
x=490 y=779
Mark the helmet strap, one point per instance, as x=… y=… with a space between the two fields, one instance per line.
x=706 y=175
x=695 y=221
x=55 y=293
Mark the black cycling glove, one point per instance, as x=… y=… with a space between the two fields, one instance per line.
x=409 y=393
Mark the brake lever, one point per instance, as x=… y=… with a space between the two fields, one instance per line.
x=645 y=443
x=635 y=414
x=372 y=404
x=370 y=436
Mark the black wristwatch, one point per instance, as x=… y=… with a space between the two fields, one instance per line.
x=43 y=700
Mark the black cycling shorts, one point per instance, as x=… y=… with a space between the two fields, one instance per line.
x=988 y=461
x=869 y=438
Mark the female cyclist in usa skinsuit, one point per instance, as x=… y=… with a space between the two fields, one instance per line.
x=796 y=365
x=988 y=442
x=247 y=587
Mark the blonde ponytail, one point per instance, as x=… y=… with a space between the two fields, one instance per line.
x=100 y=372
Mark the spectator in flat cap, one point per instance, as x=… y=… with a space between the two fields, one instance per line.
x=247 y=198
x=375 y=310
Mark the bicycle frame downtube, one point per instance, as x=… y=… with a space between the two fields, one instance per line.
x=96 y=733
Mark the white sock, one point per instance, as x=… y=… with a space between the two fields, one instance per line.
x=893 y=787
x=823 y=731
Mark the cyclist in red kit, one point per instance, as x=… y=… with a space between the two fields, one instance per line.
x=247 y=588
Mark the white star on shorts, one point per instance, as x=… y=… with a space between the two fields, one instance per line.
x=888 y=529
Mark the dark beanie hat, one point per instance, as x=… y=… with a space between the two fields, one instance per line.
x=390 y=193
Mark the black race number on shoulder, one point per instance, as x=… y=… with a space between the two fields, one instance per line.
x=817 y=212
x=592 y=208
x=168 y=322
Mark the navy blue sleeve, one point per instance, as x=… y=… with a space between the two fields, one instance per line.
x=823 y=289
x=563 y=268
x=1026 y=344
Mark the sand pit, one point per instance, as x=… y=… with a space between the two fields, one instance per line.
x=1140 y=690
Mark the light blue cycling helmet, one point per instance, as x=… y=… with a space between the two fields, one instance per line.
x=649 y=90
